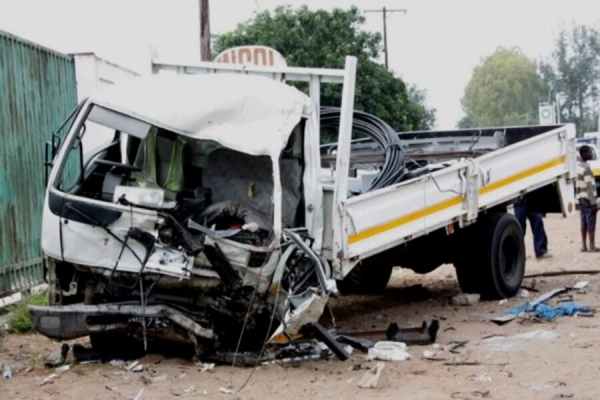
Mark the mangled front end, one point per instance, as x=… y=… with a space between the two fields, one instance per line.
x=223 y=260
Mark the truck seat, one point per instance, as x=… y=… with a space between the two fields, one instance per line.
x=164 y=149
x=235 y=176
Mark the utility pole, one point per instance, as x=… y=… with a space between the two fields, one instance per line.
x=384 y=11
x=204 y=31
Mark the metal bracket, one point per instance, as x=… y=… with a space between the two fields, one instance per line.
x=570 y=154
x=471 y=194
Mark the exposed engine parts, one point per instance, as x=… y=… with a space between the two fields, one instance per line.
x=250 y=294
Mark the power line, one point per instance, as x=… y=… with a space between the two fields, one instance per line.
x=384 y=11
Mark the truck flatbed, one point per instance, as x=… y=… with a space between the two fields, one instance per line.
x=532 y=158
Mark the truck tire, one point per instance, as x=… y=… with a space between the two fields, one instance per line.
x=495 y=264
x=366 y=278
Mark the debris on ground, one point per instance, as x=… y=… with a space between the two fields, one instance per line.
x=64 y=368
x=524 y=293
x=226 y=390
x=137 y=368
x=579 y=286
x=466 y=299
x=376 y=378
x=453 y=346
x=48 y=380
x=289 y=354
x=356 y=367
x=6 y=372
x=389 y=351
x=190 y=389
x=480 y=378
x=423 y=335
x=548 y=295
x=583 y=345
x=328 y=339
x=361 y=344
x=144 y=380
x=531 y=306
x=434 y=353
x=470 y=395
x=420 y=336
x=153 y=379
x=116 y=363
x=134 y=366
x=205 y=367
x=57 y=358
x=476 y=318
x=131 y=365
x=505 y=343
x=540 y=388
x=547 y=312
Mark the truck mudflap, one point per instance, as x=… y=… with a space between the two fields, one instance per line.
x=75 y=321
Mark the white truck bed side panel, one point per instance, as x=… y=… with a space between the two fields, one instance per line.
x=382 y=219
x=388 y=217
x=525 y=165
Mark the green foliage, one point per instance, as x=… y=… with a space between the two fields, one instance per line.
x=505 y=89
x=323 y=39
x=573 y=72
x=20 y=321
x=465 y=123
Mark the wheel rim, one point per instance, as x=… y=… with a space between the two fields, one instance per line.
x=509 y=258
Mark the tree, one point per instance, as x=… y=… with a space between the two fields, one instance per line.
x=465 y=123
x=505 y=89
x=323 y=39
x=418 y=99
x=573 y=72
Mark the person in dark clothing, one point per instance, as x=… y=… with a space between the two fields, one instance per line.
x=536 y=220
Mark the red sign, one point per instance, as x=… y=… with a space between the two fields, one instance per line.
x=254 y=55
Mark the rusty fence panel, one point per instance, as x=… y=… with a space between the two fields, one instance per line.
x=37 y=92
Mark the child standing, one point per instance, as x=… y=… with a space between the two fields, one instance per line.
x=586 y=195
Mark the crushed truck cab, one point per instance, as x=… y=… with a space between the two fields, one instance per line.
x=198 y=215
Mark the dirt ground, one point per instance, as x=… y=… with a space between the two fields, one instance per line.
x=566 y=366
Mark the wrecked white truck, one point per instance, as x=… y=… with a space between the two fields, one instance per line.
x=211 y=218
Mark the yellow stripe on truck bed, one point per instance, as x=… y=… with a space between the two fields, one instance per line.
x=376 y=230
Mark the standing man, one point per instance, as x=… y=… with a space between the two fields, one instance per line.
x=586 y=195
x=536 y=220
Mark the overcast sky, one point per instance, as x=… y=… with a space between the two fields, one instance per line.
x=435 y=45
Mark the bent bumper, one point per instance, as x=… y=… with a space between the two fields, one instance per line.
x=75 y=321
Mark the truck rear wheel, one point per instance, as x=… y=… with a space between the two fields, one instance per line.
x=367 y=277
x=492 y=262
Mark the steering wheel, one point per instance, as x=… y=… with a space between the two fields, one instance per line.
x=126 y=167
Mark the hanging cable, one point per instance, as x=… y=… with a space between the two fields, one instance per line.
x=393 y=169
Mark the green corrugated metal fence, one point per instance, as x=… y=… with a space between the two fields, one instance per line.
x=37 y=92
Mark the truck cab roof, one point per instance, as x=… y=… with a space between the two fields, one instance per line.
x=250 y=114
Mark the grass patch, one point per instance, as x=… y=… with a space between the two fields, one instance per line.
x=19 y=320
